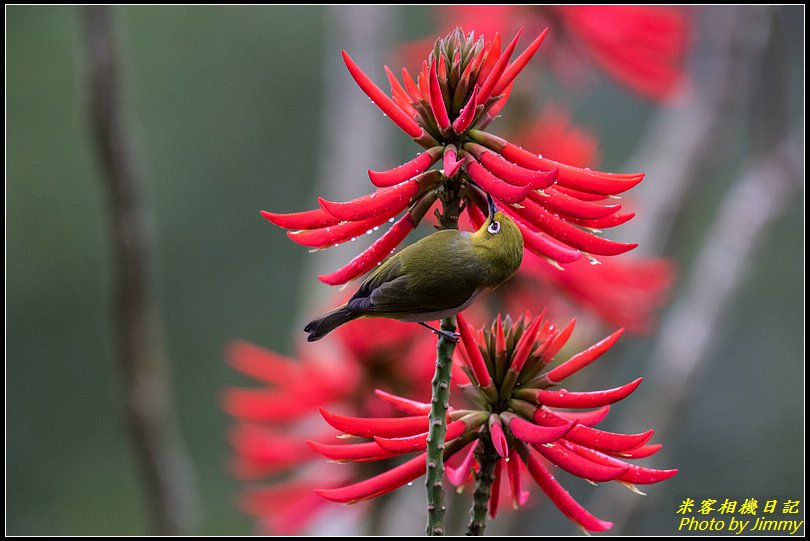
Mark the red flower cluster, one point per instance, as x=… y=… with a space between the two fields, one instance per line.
x=623 y=291
x=626 y=291
x=460 y=89
x=519 y=411
x=642 y=47
x=274 y=420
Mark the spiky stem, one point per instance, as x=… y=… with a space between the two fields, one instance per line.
x=441 y=389
x=484 y=477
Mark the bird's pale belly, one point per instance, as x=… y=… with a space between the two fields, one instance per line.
x=441 y=314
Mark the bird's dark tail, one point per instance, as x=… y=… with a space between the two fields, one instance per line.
x=320 y=327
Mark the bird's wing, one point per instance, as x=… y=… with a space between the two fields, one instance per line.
x=387 y=272
x=397 y=298
x=388 y=297
x=443 y=284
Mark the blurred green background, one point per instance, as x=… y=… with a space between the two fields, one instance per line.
x=226 y=107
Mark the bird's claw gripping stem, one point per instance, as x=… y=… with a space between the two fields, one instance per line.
x=452 y=336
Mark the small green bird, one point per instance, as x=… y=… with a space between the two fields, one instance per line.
x=434 y=278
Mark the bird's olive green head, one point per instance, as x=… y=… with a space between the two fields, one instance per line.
x=499 y=245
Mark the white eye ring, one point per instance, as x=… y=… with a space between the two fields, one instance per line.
x=494 y=228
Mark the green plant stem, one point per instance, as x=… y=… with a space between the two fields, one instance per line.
x=487 y=459
x=434 y=482
x=438 y=429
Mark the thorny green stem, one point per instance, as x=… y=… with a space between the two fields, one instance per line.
x=434 y=483
x=488 y=459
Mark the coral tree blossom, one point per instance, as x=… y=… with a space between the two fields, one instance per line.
x=520 y=421
x=623 y=291
x=273 y=420
x=458 y=92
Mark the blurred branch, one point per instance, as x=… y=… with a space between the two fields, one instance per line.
x=759 y=197
x=150 y=420
x=355 y=136
x=763 y=189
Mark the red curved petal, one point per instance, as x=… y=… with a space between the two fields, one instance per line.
x=565 y=399
x=408 y=170
x=418 y=442
x=374 y=254
x=578 y=465
x=377 y=485
x=536 y=215
x=520 y=62
x=532 y=433
x=467 y=113
x=381 y=99
x=405 y=405
x=584 y=180
x=477 y=363
x=351 y=452
x=587 y=418
x=497 y=435
x=494 y=76
x=392 y=200
x=436 y=100
x=561 y=203
x=562 y=499
x=638 y=475
x=583 y=358
x=388 y=427
x=494 y=185
x=337 y=234
x=607 y=441
x=309 y=219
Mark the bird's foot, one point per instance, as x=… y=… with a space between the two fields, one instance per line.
x=451 y=336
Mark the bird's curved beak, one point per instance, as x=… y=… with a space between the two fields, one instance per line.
x=492 y=208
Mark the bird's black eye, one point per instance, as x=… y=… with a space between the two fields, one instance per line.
x=494 y=228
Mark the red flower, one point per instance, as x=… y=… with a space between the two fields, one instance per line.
x=626 y=291
x=642 y=47
x=518 y=423
x=456 y=95
x=274 y=420
x=559 y=137
x=623 y=291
